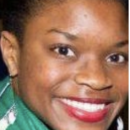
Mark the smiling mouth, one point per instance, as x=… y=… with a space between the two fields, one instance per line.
x=86 y=110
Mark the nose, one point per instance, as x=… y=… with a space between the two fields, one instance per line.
x=94 y=76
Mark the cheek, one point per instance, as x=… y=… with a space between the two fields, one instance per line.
x=37 y=75
x=50 y=74
x=120 y=82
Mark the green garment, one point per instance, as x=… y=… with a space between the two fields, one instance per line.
x=14 y=115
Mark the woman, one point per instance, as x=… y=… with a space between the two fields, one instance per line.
x=68 y=64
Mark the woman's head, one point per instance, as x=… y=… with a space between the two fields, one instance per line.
x=72 y=70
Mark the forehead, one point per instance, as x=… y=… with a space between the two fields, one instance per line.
x=79 y=17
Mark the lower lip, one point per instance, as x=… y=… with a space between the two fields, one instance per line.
x=90 y=117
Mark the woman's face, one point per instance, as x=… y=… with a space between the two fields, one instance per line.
x=73 y=67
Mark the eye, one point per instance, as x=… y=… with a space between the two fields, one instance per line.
x=116 y=58
x=64 y=50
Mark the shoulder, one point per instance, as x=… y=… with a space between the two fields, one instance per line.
x=6 y=103
x=6 y=96
x=6 y=93
x=4 y=84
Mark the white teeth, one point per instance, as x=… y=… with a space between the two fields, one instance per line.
x=89 y=107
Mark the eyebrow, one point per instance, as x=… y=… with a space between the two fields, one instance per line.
x=66 y=34
x=121 y=44
x=73 y=37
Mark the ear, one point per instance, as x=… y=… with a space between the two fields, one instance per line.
x=10 y=52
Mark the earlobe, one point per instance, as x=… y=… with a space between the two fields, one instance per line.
x=10 y=52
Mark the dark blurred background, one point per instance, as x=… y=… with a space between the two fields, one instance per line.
x=3 y=70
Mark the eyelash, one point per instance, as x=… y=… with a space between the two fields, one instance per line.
x=117 y=58
x=64 y=50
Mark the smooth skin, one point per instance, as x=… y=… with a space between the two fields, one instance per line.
x=74 y=49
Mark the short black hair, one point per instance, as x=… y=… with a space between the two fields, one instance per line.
x=14 y=15
x=16 y=12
